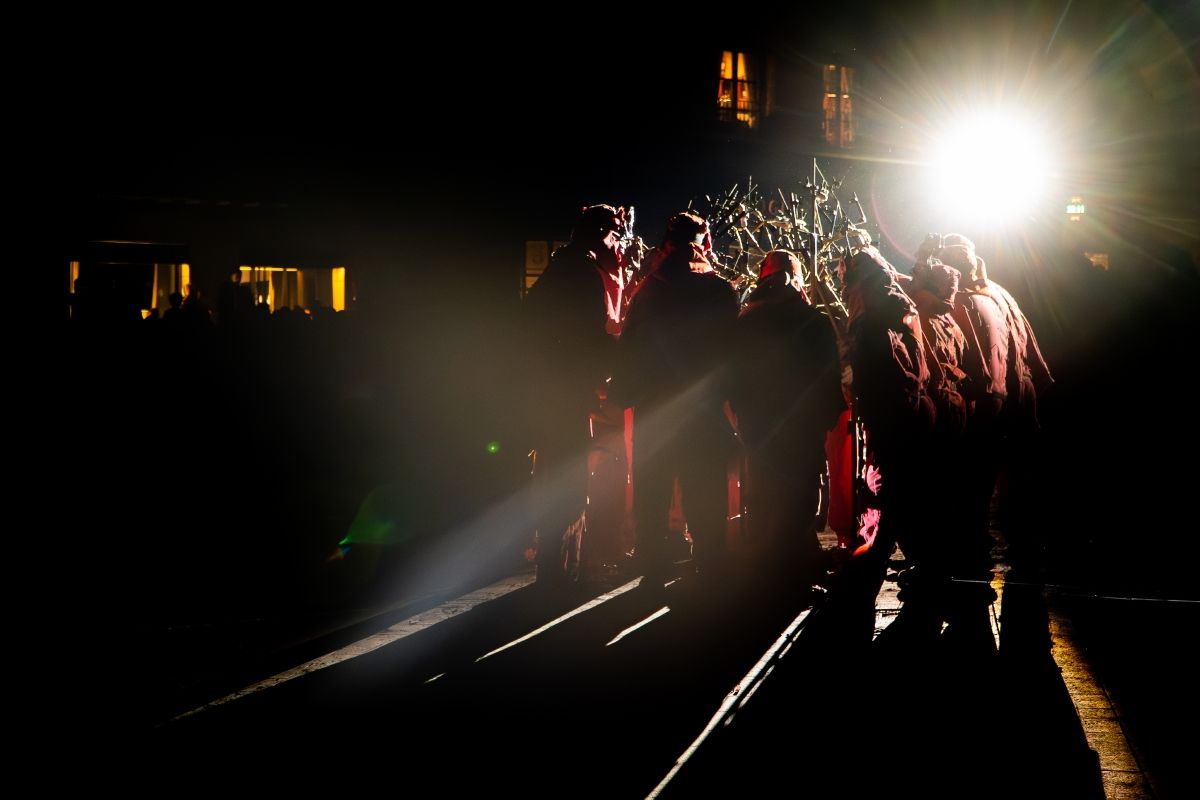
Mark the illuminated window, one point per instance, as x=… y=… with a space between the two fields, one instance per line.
x=296 y=287
x=838 y=106
x=739 y=90
x=339 y=288
x=537 y=258
x=119 y=275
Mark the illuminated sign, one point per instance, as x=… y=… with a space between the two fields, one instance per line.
x=1076 y=208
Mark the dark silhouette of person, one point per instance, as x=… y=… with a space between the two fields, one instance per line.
x=568 y=325
x=235 y=300
x=173 y=318
x=958 y=562
x=891 y=390
x=786 y=394
x=673 y=371
x=195 y=310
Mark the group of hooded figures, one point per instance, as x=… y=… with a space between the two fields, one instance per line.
x=941 y=367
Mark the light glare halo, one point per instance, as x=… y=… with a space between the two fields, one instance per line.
x=989 y=169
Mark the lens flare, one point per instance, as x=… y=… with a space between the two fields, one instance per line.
x=990 y=169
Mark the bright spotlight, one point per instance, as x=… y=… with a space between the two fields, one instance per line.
x=989 y=169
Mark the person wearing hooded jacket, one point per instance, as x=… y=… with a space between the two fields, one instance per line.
x=891 y=384
x=786 y=394
x=673 y=363
x=569 y=324
x=958 y=562
x=1003 y=420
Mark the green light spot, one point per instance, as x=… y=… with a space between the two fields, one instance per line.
x=493 y=447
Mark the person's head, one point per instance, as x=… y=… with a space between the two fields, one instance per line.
x=959 y=252
x=599 y=229
x=779 y=262
x=780 y=267
x=871 y=283
x=868 y=266
x=939 y=279
x=596 y=224
x=687 y=228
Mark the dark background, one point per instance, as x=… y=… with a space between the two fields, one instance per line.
x=199 y=480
